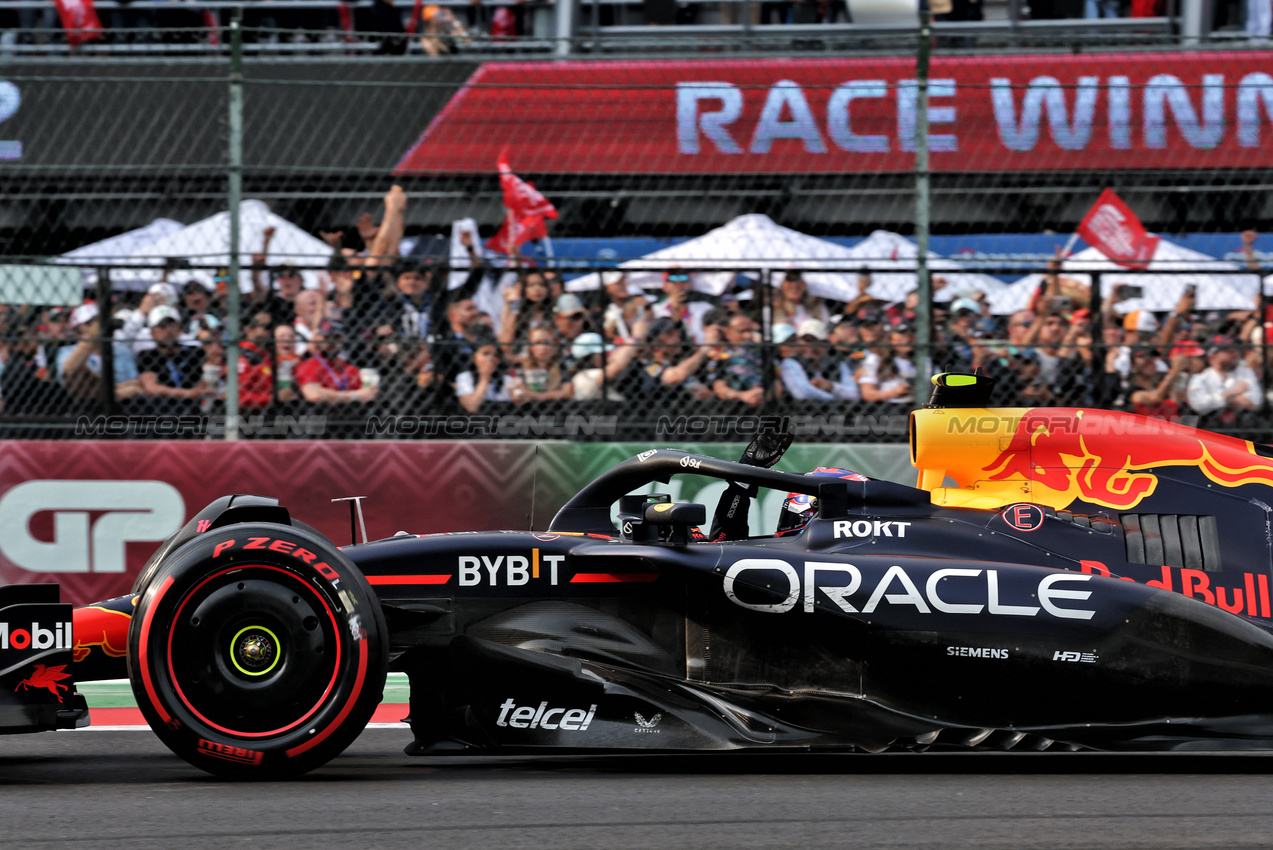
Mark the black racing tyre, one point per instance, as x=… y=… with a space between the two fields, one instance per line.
x=258 y=651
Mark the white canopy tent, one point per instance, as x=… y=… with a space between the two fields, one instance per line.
x=1175 y=268
x=756 y=241
x=118 y=249
x=884 y=249
x=207 y=243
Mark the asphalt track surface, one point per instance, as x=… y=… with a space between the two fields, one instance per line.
x=122 y=789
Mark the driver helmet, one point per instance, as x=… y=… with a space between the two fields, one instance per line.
x=799 y=508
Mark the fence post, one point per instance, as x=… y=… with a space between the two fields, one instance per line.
x=766 y=338
x=1193 y=25
x=105 y=327
x=565 y=26
x=1096 y=308
x=234 y=195
x=924 y=309
x=1262 y=305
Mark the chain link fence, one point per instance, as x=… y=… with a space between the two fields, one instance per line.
x=369 y=355
x=364 y=319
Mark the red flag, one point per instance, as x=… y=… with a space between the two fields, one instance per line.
x=522 y=197
x=80 y=21
x=346 y=15
x=414 y=24
x=522 y=231
x=524 y=212
x=1111 y=226
x=210 y=21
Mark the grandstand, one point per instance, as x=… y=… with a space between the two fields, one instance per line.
x=739 y=200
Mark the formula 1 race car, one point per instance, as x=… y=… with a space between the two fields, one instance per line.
x=1060 y=579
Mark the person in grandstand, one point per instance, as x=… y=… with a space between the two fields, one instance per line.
x=286 y=359
x=214 y=365
x=256 y=366
x=738 y=375
x=626 y=305
x=1228 y=390
x=1149 y=389
x=441 y=32
x=800 y=366
x=171 y=373
x=599 y=365
x=526 y=303
x=843 y=358
x=487 y=380
x=26 y=385
x=325 y=377
x=793 y=305
x=885 y=381
x=543 y=374
x=869 y=322
x=408 y=303
x=135 y=328
x=886 y=372
x=668 y=371
x=864 y=298
x=408 y=383
x=55 y=332
x=310 y=313
x=676 y=305
x=196 y=305
x=959 y=349
x=352 y=300
x=79 y=365
x=280 y=303
x=571 y=320
x=453 y=341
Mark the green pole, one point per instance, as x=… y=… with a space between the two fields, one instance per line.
x=924 y=310
x=235 y=194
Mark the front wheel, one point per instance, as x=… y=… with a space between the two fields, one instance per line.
x=258 y=651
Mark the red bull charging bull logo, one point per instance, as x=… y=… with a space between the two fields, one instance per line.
x=1106 y=458
x=103 y=628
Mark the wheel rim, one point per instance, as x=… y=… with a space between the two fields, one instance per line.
x=254 y=651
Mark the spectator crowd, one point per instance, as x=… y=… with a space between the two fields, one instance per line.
x=440 y=29
x=381 y=335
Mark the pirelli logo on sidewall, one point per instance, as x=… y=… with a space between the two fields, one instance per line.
x=229 y=752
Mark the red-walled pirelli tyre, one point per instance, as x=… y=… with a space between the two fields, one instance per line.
x=258 y=651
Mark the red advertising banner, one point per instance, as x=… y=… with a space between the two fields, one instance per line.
x=786 y=116
x=89 y=514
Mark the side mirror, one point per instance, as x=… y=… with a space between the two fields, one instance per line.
x=672 y=513
x=676 y=519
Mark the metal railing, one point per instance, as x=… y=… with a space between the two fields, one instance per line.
x=591 y=27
